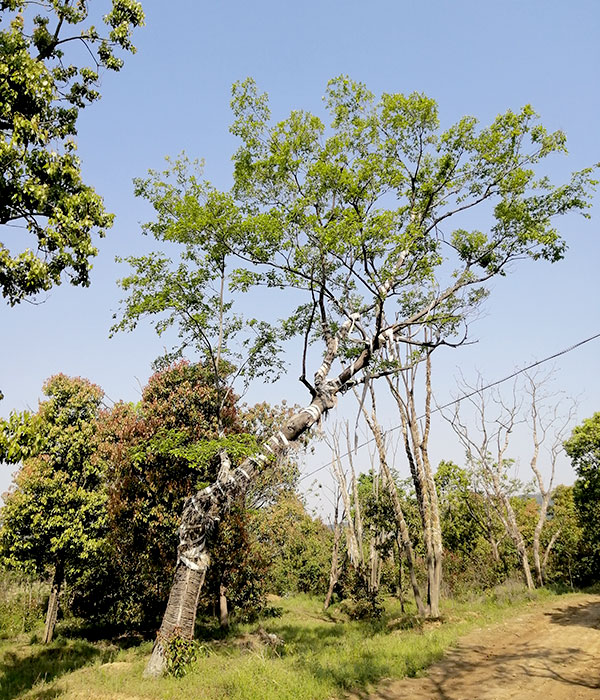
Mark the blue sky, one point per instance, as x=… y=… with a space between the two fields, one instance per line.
x=473 y=57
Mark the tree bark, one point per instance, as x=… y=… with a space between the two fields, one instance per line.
x=179 y=617
x=52 y=612
x=415 y=441
x=399 y=592
x=551 y=544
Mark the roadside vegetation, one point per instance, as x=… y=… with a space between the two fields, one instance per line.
x=315 y=655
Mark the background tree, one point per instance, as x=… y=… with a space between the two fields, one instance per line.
x=583 y=447
x=548 y=422
x=415 y=437
x=156 y=454
x=393 y=502
x=487 y=440
x=472 y=533
x=336 y=562
x=297 y=546
x=41 y=94
x=54 y=519
x=565 y=562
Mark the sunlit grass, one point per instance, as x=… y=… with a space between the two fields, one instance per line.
x=324 y=655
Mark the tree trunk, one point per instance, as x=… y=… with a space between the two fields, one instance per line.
x=494 y=546
x=553 y=539
x=404 y=538
x=335 y=572
x=179 y=617
x=373 y=564
x=223 y=610
x=434 y=583
x=52 y=612
x=399 y=592
x=201 y=514
x=522 y=549
x=416 y=438
x=375 y=428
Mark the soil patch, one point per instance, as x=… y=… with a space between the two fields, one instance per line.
x=551 y=653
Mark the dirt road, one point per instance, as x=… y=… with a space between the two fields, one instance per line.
x=551 y=653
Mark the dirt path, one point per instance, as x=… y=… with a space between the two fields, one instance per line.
x=552 y=653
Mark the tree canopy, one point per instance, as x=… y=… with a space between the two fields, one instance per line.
x=55 y=509
x=42 y=89
x=366 y=217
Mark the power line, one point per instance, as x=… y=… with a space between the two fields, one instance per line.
x=465 y=396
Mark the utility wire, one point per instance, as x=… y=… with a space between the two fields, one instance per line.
x=462 y=398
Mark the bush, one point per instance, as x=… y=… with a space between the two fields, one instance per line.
x=22 y=604
x=181 y=654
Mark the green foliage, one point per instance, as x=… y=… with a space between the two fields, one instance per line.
x=152 y=465
x=316 y=200
x=297 y=547
x=155 y=455
x=193 y=296
x=41 y=94
x=239 y=566
x=181 y=654
x=461 y=509
x=566 y=564
x=55 y=512
x=362 y=213
x=364 y=604
x=583 y=447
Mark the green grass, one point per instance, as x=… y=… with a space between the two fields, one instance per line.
x=324 y=656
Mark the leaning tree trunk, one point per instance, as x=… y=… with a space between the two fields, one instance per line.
x=203 y=510
x=52 y=612
x=179 y=617
x=201 y=515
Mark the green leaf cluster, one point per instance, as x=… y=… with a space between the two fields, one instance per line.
x=41 y=94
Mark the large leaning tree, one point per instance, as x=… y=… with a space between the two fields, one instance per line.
x=372 y=227
x=51 y=58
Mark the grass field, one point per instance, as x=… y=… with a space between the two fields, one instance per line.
x=324 y=655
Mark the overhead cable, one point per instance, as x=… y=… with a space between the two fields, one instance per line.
x=465 y=396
